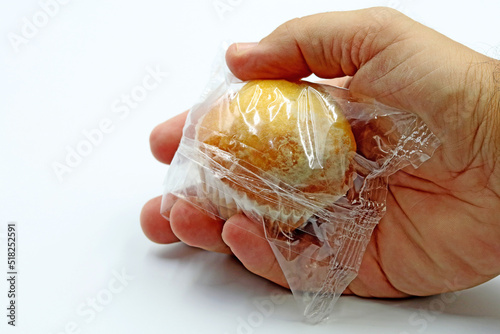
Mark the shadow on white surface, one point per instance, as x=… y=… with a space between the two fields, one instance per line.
x=219 y=281
x=475 y=308
x=220 y=272
x=480 y=302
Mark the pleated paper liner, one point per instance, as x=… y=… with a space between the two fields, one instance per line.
x=229 y=201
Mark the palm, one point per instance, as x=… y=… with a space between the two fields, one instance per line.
x=432 y=239
x=419 y=245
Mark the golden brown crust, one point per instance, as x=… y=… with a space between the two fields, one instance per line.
x=287 y=131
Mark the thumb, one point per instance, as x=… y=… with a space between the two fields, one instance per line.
x=390 y=57
x=329 y=45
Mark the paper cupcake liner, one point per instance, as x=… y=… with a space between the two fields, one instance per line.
x=229 y=201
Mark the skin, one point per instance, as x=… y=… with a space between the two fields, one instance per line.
x=441 y=231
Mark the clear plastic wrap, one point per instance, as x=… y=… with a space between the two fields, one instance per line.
x=307 y=162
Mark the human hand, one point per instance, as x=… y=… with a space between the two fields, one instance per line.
x=441 y=230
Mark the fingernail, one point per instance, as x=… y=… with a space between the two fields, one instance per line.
x=241 y=47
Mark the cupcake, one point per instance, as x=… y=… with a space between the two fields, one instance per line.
x=276 y=150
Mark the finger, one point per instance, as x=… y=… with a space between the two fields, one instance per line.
x=339 y=82
x=248 y=243
x=154 y=225
x=195 y=228
x=329 y=45
x=165 y=138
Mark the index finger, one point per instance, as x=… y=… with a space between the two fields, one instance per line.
x=165 y=138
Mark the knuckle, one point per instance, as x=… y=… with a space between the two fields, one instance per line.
x=382 y=15
x=381 y=18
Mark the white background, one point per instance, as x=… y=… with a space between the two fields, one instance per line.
x=75 y=234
